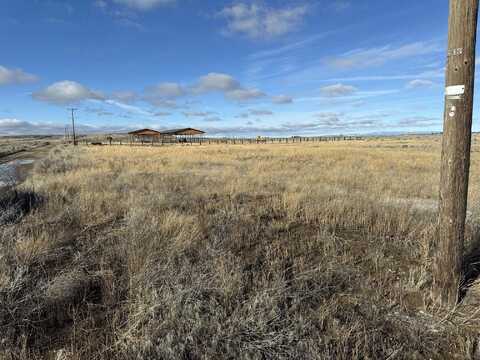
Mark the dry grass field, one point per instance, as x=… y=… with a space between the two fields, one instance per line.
x=14 y=145
x=292 y=251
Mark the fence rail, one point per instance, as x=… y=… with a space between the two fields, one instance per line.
x=215 y=141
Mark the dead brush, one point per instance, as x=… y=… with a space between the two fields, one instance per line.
x=251 y=252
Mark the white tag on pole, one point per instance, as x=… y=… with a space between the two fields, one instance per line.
x=455 y=90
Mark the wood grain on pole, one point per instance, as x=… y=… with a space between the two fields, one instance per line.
x=455 y=163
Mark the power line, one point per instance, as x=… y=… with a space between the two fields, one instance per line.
x=73 y=125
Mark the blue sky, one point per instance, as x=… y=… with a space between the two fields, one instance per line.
x=231 y=68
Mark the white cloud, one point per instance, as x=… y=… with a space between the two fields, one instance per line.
x=218 y=82
x=362 y=58
x=166 y=90
x=66 y=92
x=22 y=127
x=261 y=112
x=163 y=94
x=244 y=94
x=282 y=99
x=338 y=90
x=256 y=21
x=126 y=97
x=215 y=82
x=144 y=4
x=15 y=76
x=420 y=83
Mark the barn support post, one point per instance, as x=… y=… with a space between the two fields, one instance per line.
x=455 y=161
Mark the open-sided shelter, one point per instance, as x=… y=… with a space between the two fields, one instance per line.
x=149 y=135
x=145 y=135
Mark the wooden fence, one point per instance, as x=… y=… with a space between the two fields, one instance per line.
x=214 y=141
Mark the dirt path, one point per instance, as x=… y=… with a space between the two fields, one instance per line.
x=14 y=168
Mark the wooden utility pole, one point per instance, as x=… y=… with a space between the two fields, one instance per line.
x=455 y=163
x=73 y=126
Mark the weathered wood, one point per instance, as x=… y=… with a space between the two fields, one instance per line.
x=455 y=163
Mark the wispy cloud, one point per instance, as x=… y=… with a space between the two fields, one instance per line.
x=278 y=61
x=419 y=83
x=340 y=5
x=257 y=21
x=143 y=5
x=213 y=119
x=321 y=123
x=282 y=99
x=274 y=52
x=126 y=97
x=198 y=113
x=162 y=114
x=261 y=112
x=363 y=58
x=439 y=73
x=98 y=111
x=338 y=90
x=349 y=98
x=15 y=76
x=129 y=108
x=419 y=122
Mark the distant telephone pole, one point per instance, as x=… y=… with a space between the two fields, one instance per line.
x=456 y=141
x=73 y=126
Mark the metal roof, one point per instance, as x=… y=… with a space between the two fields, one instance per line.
x=184 y=131
x=145 y=131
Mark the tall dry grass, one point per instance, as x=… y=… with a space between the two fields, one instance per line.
x=314 y=251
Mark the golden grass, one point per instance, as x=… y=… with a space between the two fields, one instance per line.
x=316 y=250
